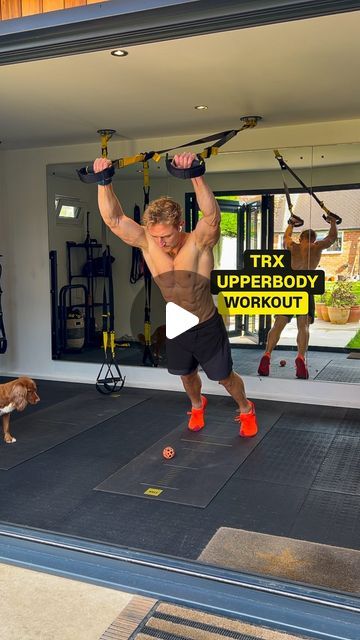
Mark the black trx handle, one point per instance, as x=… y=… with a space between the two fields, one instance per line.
x=197 y=168
x=295 y=221
x=87 y=175
x=327 y=217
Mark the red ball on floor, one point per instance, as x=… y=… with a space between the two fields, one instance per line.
x=168 y=453
x=282 y=363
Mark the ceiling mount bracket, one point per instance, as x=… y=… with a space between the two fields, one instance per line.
x=106 y=135
x=250 y=121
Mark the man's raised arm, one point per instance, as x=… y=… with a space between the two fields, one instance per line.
x=288 y=241
x=326 y=242
x=111 y=212
x=207 y=230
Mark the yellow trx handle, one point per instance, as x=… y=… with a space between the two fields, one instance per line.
x=105 y=340
x=112 y=342
x=147 y=333
x=146 y=174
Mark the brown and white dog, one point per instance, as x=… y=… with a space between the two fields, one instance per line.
x=15 y=396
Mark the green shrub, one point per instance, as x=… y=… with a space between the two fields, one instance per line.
x=228 y=225
x=342 y=295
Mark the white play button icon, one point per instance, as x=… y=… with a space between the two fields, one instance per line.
x=178 y=320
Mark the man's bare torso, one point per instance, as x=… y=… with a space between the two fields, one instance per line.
x=305 y=256
x=184 y=276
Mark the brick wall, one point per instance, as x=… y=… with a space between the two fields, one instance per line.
x=345 y=263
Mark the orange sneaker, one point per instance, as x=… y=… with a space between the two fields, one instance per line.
x=197 y=418
x=248 y=423
x=264 y=366
x=301 y=368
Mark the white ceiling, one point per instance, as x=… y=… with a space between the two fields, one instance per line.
x=289 y=73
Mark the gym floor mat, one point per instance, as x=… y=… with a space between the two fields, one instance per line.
x=43 y=429
x=325 y=422
x=329 y=518
x=340 y=469
x=286 y=558
x=203 y=463
x=350 y=425
x=340 y=373
x=287 y=456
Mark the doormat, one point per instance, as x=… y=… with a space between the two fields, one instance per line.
x=170 y=622
x=285 y=558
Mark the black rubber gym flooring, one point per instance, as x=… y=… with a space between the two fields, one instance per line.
x=64 y=420
x=300 y=479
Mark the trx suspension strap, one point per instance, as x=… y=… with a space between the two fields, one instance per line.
x=296 y=221
x=137 y=260
x=148 y=354
x=3 y=340
x=327 y=215
x=87 y=175
x=109 y=378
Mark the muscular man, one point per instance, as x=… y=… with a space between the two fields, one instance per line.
x=180 y=264
x=305 y=254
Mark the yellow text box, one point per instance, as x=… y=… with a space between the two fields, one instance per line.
x=255 y=303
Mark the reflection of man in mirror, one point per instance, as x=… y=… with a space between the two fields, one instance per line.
x=181 y=264
x=305 y=254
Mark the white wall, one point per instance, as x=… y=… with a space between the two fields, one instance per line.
x=25 y=246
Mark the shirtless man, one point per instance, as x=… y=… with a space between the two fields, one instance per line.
x=305 y=254
x=180 y=264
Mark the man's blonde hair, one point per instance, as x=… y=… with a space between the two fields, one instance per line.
x=164 y=210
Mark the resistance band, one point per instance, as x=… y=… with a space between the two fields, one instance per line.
x=297 y=222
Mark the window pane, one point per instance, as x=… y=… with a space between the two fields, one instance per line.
x=67 y=211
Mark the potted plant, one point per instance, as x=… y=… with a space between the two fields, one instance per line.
x=341 y=300
x=320 y=306
x=355 y=311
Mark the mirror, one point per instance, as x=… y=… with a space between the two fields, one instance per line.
x=254 y=212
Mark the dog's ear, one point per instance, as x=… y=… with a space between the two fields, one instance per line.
x=18 y=395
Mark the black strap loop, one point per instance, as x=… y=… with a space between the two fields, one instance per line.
x=197 y=168
x=327 y=217
x=87 y=175
x=295 y=221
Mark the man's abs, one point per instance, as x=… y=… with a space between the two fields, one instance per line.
x=185 y=279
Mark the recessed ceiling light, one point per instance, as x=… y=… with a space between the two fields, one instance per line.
x=201 y=107
x=119 y=53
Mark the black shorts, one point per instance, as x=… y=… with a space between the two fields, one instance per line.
x=207 y=344
x=311 y=312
